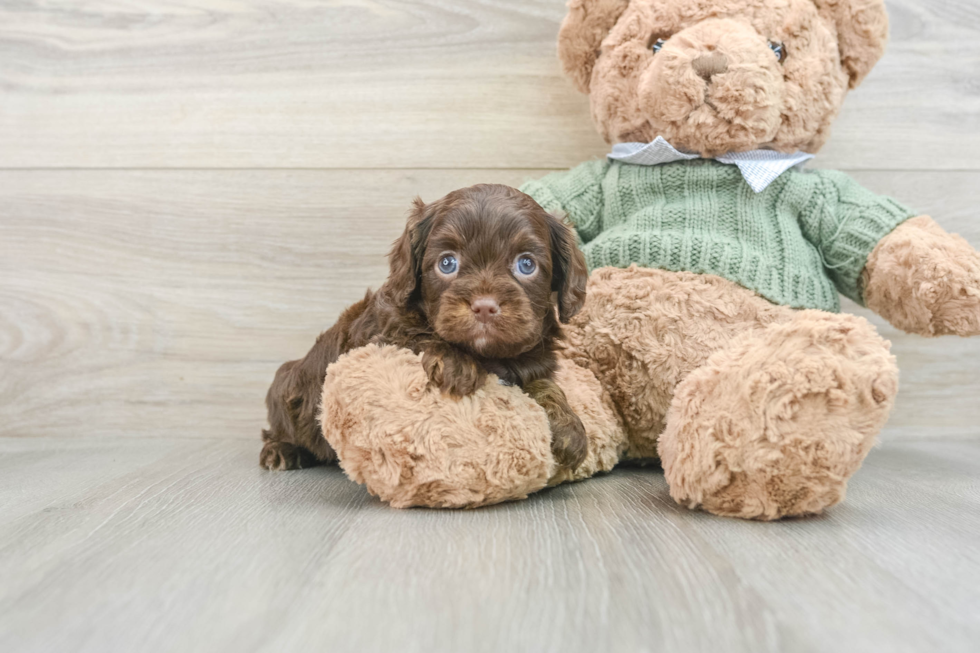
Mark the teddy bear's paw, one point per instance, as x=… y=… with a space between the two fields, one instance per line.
x=925 y=281
x=775 y=424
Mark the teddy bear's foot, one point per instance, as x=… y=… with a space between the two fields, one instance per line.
x=412 y=445
x=774 y=424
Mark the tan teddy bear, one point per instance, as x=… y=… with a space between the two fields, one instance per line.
x=710 y=337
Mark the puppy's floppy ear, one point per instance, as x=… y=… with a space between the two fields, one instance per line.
x=569 y=273
x=862 y=31
x=405 y=257
x=581 y=33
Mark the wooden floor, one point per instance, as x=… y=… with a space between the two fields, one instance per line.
x=169 y=544
x=191 y=191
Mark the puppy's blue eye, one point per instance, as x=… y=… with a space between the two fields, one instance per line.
x=525 y=266
x=778 y=49
x=658 y=45
x=448 y=264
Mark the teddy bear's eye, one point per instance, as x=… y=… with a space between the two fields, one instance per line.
x=657 y=45
x=779 y=50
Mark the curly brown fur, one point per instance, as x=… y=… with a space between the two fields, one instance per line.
x=568 y=442
x=460 y=292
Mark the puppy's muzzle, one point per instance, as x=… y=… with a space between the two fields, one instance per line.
x=485 y=309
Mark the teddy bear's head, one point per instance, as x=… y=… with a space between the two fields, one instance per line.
x=717 y=76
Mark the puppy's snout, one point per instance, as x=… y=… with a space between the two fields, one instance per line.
x=485 y=309
x=709 y=65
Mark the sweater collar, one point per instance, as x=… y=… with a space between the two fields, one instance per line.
x=759 y=168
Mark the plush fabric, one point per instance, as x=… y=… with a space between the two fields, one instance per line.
x=925 y=281
x=757 y=410
x=439 y=451
x=690 y=347
x=792 y=243
x=411 y=445
x=758 y=102
x=642 y=331
x=776 y=422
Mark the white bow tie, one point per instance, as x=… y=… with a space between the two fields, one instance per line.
x=759 y=168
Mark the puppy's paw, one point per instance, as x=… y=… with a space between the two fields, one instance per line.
x=281 y=456
x=454 y=372
x=569 y=443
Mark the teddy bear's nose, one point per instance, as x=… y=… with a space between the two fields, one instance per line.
x=709 y=65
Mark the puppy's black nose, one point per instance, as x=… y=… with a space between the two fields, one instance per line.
x=485 y=308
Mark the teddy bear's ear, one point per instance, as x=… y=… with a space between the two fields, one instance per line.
x=581 y=33
x=862 y=30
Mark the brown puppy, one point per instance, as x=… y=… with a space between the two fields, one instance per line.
x=474 y=283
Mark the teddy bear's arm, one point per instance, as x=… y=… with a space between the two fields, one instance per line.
x=576 y=193
x=924 y=280
x=844 y=222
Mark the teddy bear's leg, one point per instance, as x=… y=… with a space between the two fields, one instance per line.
x=413 y=445
x=643 y=330
x=774 y=424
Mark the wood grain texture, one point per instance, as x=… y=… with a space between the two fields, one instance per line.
x=145 y=303
x=396 y=83
x=186 y=545
x=147 y=297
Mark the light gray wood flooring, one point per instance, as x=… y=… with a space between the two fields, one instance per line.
x=169 y=544
x=191 y=191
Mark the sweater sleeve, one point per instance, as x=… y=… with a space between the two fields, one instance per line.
x=577 y=193
x=845 y=221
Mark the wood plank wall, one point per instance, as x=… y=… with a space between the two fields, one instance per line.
x=190 y=192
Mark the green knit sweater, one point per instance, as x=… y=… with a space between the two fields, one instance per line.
x=806 y=234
